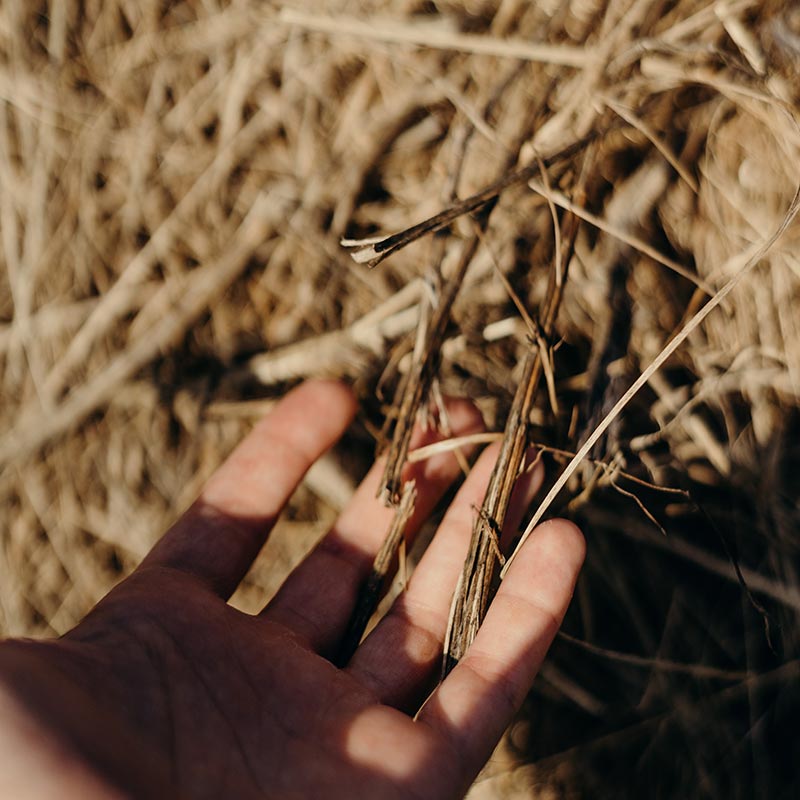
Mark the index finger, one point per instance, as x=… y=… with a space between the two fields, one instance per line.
x=220 y=535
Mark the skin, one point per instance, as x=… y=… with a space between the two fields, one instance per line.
x=164 y=690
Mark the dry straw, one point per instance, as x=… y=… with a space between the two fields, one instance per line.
x=177 y=180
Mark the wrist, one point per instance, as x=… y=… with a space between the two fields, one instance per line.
x=36 y=764
x=57 y=740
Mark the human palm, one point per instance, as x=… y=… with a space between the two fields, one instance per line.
x=166 y=690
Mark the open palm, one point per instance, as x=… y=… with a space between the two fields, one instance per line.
x=166 y=690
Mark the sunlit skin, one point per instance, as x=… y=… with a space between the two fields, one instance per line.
x=165 y=690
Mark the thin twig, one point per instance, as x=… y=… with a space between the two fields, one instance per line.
x=372 y=251
x=427 y=351
x=419 y=377
x=370 y=593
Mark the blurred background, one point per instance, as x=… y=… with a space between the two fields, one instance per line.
x=175 y=180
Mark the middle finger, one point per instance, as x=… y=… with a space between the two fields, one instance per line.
x=317 y=599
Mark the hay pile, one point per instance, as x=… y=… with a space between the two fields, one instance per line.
x=176 y=179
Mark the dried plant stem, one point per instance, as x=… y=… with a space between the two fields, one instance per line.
x=475 y=585
x=448 y=445
x=342 y=349
x=373 y=251
x=427 y=350
x=421 y=373
x=472 y=597
x=403 y=33
x=660 y=664
x=370 y=593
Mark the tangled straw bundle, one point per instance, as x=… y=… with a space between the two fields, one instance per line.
x=176 y=182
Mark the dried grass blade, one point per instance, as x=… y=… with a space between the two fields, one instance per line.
x=633 y=241
x=423 y=368
x=449 y=445
x=396 y=32
x=757 y=252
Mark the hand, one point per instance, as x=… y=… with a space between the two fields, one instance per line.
x=166 y=690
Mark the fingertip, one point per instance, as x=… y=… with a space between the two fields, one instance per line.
x=309 y=418
x=557 y=543
x=565 y=540
x=326 y=394
x=486 y=461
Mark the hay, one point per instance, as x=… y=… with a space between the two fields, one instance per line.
x=176 y=179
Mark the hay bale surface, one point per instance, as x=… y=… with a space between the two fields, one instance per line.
x=176 y=179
